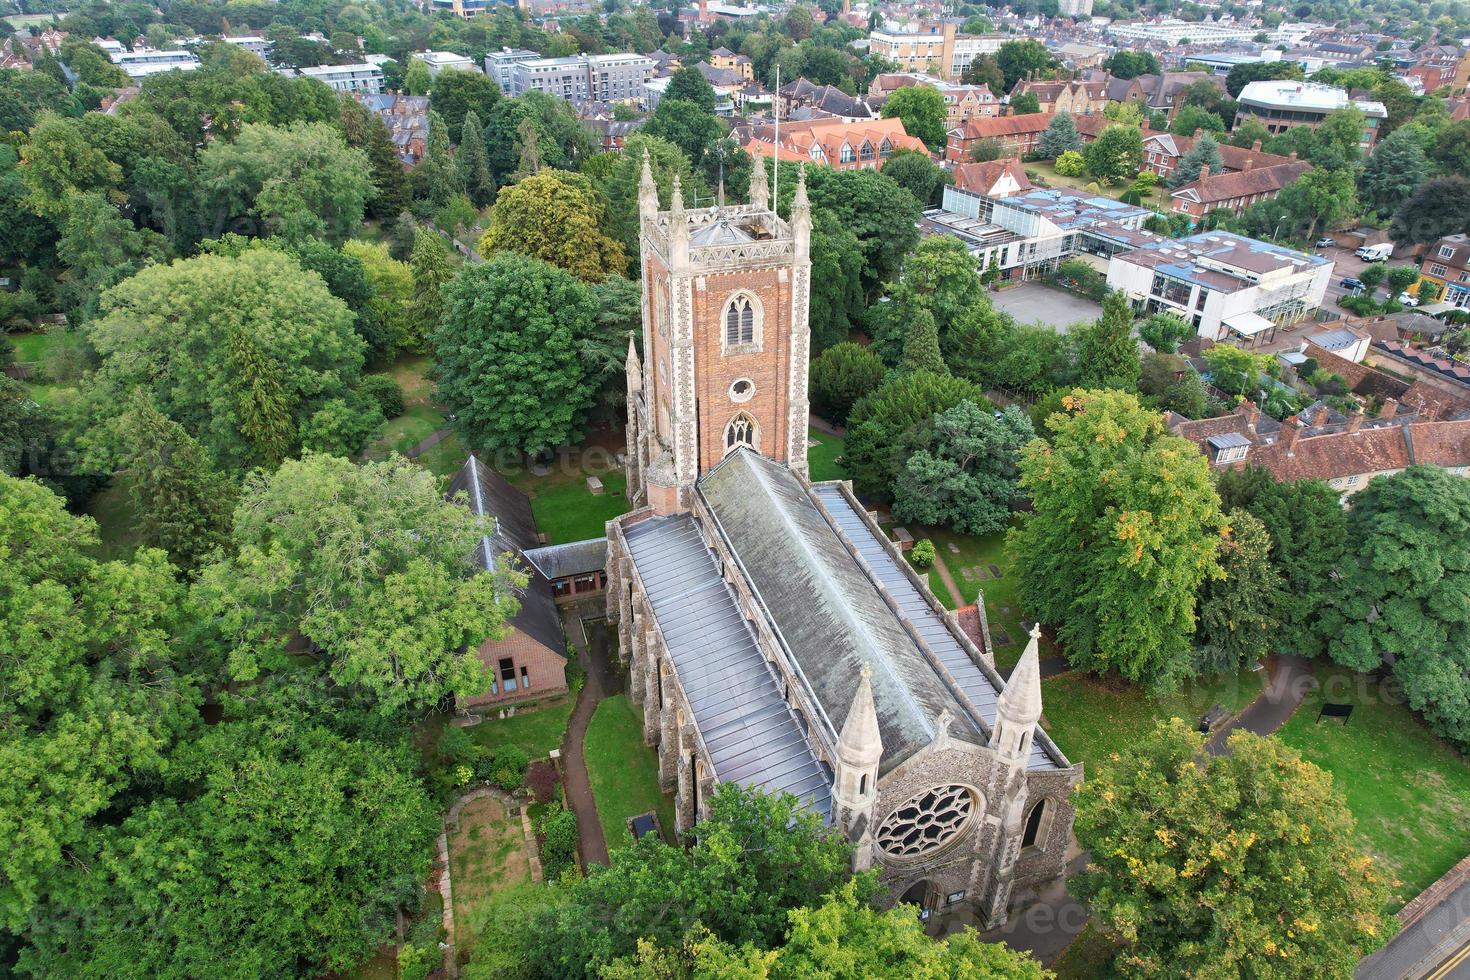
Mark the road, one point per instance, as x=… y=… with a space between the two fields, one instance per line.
x=1434 y=947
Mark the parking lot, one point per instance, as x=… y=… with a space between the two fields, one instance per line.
x=1345 y=265
x=1031 y=302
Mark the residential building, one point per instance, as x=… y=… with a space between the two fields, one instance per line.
x=254 y=43
x=530 y=660
x=1172 y=32
x=500 y=65
x=1224 y=284
x=437 y=61
x=146 y=62
x=1069 y=95
x=1075 y=8
x=773 y=635
x=1446 y=263
x=575 y=78
x=1233 y=192
x=465 y=8
x=1281 y=105
x=828 y=99
x=1017 y=135
x=1162 y=152
x=407 y=119
x=726 y=60
x=993 y=178
x=939 y=51
x=1345 y=451
x=961 y=102
x=347 y=78
x=862 y=145
x=710 y=11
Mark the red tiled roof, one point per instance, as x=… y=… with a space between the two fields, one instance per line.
x=981 y=177
x=1242 y=183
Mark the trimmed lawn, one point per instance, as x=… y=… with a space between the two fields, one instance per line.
x=445 y=458
x=1047 y=171
x=822 y=458
x=567 y=511
x=51 y=394
x=1090 y=717
x=1089 y=957
x=1409 y=791
x=487 y=855
x=31 y=346
x=416 y=424
x=623 y=771
x=411 y=371
x=536 y=730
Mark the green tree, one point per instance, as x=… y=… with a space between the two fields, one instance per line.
x=417 y=79
x=1107 y=354
x=1116 y=154
x=57 y=159
x=95 y=694
x=1191 y=119
x=940 y=277
x=690 y=85
x=1234 y=370
x=885 y=427
x=923 y=114
x=281 y=846
x=1260 y=71
x=1393 y=170
x=916 y=173
x=836 y=301
x=1169 y=384
x=967 y=478
x=471 y=165
x=1400 y=278
x=1025 y=104
x=176 y=331
x=693 y=129
x=755 y=858
x=556 y=217
x=1164 y=332
x=392 y=287
x=990 y=148
x=882 y=215
x=1247 y=132
x=436 y=175
x=921 y=344
x=1018 y=59
x=1320 y=198
x=508 y=353
x=1237 y=613
x=363 y=130
x=184 y=506
x=432 y=267
x=457 y=94
x=300 y=180
x=1071 y=164
x=841 y=376
x=100 y=248
x=619 y=183
x=368 y=562
x=1436 y=208
x=1241 y=865
x=1309 y=538
x=1060 y=137
x=1406 y=592
x=1124 y=529
x=985 y=70
x=1451 y=148
x=1204 y=153
x=1131 y=64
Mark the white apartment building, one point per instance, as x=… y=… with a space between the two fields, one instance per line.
x=437 y=61
x=1226 y=285
x=253 y=43
x=1282 y=104
x=348 y=78
x=141 y=64
x=599 y=77
x=1173 y=31
x=939 y=51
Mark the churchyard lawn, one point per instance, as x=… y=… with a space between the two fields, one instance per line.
x=623 y=771
x=1409 y=791
x=821 y=459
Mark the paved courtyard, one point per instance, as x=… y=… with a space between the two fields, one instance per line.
x=1032 y=302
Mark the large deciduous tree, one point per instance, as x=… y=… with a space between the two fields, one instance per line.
x=1406 y=592
x=921 y=109
x=508 y=347
x=842 y=375
x=457 y=94
x=967 y=478
x=1436 y=208
x=1116 y=154
x=836 y=301
x=1236 y=865
x=1124 y=529
x=371 y=565
x=917 y=174
x=1018 y=59
x=231 y=348
x=556 y=217
x=940 y=277
x=1237 y=613
x=885 y=427
x=882 y=215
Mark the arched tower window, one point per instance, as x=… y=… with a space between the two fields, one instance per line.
x=739 y=321
x=740 y=432
x=1033 y=824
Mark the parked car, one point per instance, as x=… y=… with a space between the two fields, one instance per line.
x=1326 y=242
x=1408 y=299
x=1351 y=283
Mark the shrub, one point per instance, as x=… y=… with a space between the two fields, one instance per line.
x=508 y=768
x=385 y=391
x=557 y=828
x=843 y=374
x=1359 y=305
x=921 y=555
x=417 y=962
x=1076 y=275
x=1070 y=164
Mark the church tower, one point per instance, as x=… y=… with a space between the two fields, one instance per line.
x=725 y=339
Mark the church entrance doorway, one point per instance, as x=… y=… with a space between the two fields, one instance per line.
x=918 y=894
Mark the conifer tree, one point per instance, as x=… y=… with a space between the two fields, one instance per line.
x=1204 y=153
x=184 y=506
x=471 y=165
x=439 y=181
x=921 y=347
x=1059 y=137
x=1107 y=354
x=263 y=404
x=365 y=131
x=432 y=268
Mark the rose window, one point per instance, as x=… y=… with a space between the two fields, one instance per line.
x=927 y=822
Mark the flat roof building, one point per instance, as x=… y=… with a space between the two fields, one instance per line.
x=347 y=78
x=1280 y=105
x=437 y=61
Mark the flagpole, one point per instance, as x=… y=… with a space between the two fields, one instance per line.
x=776 y=145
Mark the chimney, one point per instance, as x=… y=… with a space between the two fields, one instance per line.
x=1293 y=155
x=1321 y=418
x=1256 y=147
x=1252 y=414
x=1390 y=408
x=1204 y=171
x=1250 y=162
x=1290 y=429
x=1355 y=421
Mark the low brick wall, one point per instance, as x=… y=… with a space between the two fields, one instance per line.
x=1435 y=893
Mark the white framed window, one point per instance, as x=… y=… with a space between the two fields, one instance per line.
x=1447 y=251
x=1438 y=270
x=742 y=390
x=742 y=431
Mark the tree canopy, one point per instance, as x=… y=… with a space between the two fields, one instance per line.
x=968 y=476
x=556 y=217
x=923 y=113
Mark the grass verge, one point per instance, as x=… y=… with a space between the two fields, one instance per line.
x=623 y=771
x=821 y=459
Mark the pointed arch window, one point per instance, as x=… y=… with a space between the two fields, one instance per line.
x=740 y=432
x=742 y=321
x=1032 y=833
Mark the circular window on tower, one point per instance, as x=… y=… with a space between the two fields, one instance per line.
x=927 y=822
x=742 y=390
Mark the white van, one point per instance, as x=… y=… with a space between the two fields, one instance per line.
x=1375 y=253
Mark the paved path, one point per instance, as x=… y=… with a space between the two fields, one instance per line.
x=1291 y=679
x=1435 y=939
x=429 y=442
x=1047 y=927
x=815 y=421
x=599 y=683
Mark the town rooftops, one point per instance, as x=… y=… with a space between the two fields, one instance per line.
x=1213 y=188
x=1221 y=260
